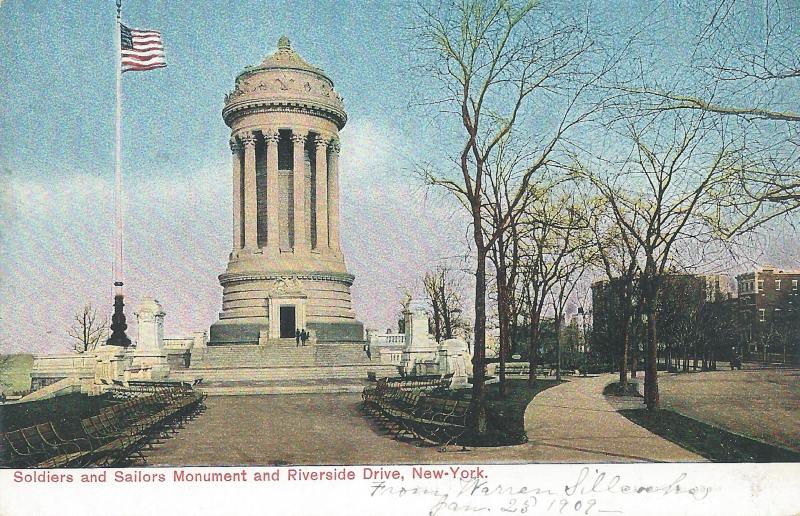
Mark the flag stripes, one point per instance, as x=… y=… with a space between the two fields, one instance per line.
x=141 y=49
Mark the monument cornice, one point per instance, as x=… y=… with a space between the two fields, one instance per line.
x=338 y=277
x=246 y=107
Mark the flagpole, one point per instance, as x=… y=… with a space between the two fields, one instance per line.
x=118 y=281
x=118 y=325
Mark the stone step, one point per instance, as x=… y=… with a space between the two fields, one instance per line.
x=250 y=356
x=282 y=373
x=297 y=387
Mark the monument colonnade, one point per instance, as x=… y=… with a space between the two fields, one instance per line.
x=313 y=220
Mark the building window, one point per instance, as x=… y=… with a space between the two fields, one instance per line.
x=777 y=284
x=760 y=285
x=762 y=314
x=794 y=284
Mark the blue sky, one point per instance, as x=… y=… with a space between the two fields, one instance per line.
x=57 y=144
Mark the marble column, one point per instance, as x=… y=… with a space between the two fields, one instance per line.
x=271 y=138
x=298 y=168
x=333 y=196
x=321 y=187
x=236 y=151
x=250 y=204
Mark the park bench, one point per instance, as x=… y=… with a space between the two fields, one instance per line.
x=26 y=448
x=16 y=453
x=50 y=435
x=110 y=437
x=440 y=421
x=421 y=382
x=417 y=412
x=113 y=444
x=517 y=369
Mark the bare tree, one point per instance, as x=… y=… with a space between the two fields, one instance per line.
x=551 y=238
x=664 y=196
x=744 y=66
x=444 y=292
x=567 y=276
x=489 y=58
x=505 y=253
x=616 y=252
x=88 y=330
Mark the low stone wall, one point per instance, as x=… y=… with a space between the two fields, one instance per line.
x=48 y=369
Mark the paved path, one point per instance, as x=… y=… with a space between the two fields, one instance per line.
x=571 y=422
x=576 y=419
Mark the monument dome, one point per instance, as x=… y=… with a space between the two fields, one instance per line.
x=286 y=270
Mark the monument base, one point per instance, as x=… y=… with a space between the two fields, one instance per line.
x=235 y=333
x=238 y=333
x=338 y=332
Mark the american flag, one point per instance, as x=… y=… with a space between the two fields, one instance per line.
x=141 y=49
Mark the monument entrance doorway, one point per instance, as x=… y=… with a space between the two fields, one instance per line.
x=288 y=322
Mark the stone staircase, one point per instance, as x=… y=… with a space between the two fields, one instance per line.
x=282 y=367
x=253 y=356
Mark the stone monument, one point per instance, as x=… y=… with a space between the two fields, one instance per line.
x=286 y=270
x=149 y=361
x=419 y=346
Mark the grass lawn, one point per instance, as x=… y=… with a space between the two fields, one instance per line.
x=15 y=373
x=709 y=441
x=614 y=389
x=505 y=416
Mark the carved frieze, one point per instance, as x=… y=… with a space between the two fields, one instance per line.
x=287 y=286
x=282 y=84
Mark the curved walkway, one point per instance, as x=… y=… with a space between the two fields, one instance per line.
x=575 y=421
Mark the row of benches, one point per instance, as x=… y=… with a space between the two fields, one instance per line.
x=112 y=437
x=523 y=368
x=434 y=381
x=417 y=412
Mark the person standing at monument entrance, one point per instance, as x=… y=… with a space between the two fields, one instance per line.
x=297 y=337
x=304 y=336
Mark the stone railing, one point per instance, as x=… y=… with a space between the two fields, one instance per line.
x=387 y=338
x=48 y=369
x=388 y=347
x=64 y=362
x=178 y=344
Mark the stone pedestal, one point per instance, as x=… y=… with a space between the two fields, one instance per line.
x=420 y=347
x=112 y=361
x=454 y=358
x=149 y=359
x=199 y=340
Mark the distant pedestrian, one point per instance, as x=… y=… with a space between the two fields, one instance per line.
x=297 y=336
x=304 y=336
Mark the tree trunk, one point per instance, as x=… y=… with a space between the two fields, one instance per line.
x=558 y=347
x=685 y=359
x=448 y=323
x=437 y=321
x=85 y=333
x=651 y=372
x=533 y=348
x=478 y=409
x=623 y=369
x=503 y=309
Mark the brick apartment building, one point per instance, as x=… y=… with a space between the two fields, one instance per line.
x=769 y=304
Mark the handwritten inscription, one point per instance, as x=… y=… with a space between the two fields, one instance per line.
x=592 y=492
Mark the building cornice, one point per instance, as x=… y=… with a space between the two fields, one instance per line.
x=235 y=277
x=254 y=106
